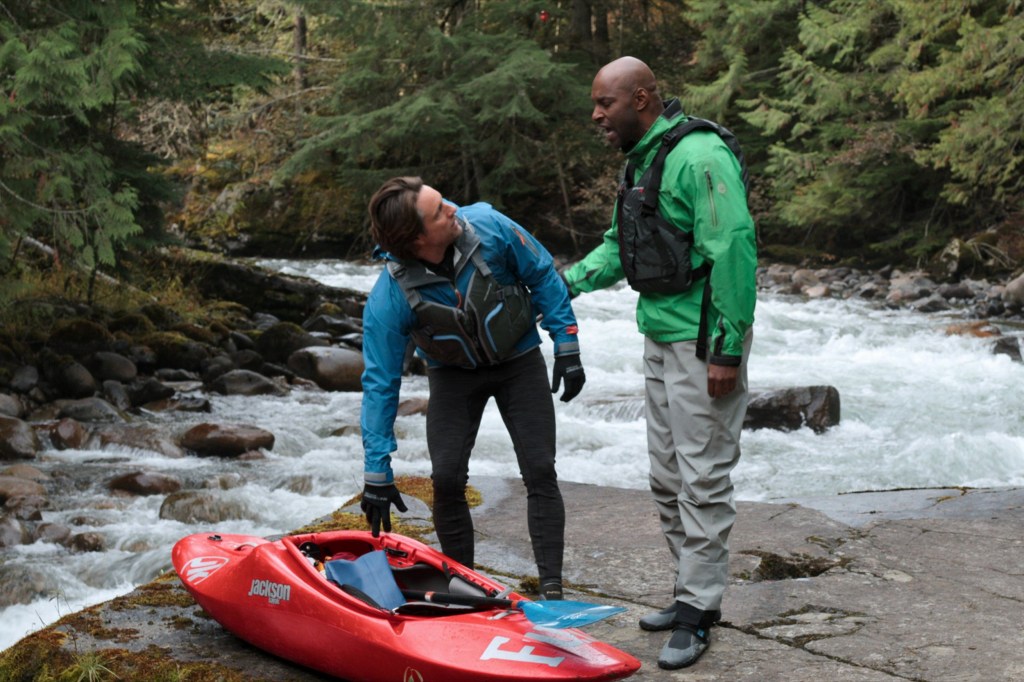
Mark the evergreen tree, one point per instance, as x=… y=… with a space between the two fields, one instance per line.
x=972 y=95
x=73 y=74
x=842 y=168
x=463 y=95
x=883 y=118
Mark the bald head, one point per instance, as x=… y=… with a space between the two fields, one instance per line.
x=628 y=74
x=626 y=101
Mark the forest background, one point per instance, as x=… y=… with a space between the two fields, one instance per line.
x=876 y=131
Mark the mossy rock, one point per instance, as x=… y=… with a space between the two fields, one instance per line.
x=176 y=351
x=12 y=352
x=232 y=315
x=79 y=337
x=330 y=309
x=284 y=338
x=133 y=324
x=196 y=333
x=161 y=316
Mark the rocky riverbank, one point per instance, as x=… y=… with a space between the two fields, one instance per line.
x=986 y=308
x=909 y=585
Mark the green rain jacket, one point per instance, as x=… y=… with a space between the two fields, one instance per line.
x=701 y=192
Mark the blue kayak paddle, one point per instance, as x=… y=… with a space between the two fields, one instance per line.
x=549 y=614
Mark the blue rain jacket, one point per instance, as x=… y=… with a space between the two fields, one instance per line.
x=513 y=254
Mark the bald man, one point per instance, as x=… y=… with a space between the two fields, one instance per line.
x=695 y=393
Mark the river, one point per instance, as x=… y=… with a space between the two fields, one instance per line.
x=919 y=409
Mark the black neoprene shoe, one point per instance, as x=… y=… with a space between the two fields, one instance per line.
x=684 y=647
x=551 y=592
x=665 y=619
x=662 y=620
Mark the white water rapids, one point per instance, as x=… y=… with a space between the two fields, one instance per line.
x=919 y=409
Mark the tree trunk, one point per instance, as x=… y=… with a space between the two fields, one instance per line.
x=300 y=35
x=580 y=35
x=566 y=200
x=601 y=39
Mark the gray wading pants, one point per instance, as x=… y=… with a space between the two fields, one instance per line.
x=693 y=443
x=457 y=399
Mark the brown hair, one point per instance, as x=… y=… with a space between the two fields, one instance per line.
x=394 y=221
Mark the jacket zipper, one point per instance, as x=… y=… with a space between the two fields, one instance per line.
x=711 y=198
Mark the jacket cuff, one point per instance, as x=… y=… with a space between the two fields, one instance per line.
x=727 y=360
x=378 y=477
x=567 y=348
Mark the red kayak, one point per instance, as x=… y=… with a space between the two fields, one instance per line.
x=328 y=601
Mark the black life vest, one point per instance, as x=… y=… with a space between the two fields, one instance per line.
x=655 y=254
x=486 y=325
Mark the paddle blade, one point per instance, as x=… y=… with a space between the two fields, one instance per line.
x=566 y=614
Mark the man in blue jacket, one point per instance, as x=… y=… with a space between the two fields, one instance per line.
x=466 y=285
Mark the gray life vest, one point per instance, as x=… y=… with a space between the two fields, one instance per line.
x=483 y=328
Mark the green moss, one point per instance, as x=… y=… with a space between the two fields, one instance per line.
x=33 y=657
x=227 y=315
x=160 y=593
x=196 y=333
x=419 y=487
x=133 y=324
x=156 y=665
x=162 y=316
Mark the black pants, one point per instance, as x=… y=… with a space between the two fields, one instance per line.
x=457 y=399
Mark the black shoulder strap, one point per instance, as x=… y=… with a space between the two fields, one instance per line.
x=668 y=142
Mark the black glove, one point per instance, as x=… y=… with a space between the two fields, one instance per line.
x=570 y=368
x=376 y=504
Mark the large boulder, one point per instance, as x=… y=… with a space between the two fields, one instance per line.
x=289 y=298
x=14 y=487
x=246 y=382
x=79 y=338
x=1013 y=293
x=88 y=410
x=17 y=439
x=72 y=379
x=177 y=351
x=226 y=440
x=139 y=437
x=107 y=365
x=11 y=405
x=283 y=339
x=23 y=584
x=68 y=434
x=332 y=369
x=189 y=506
x=789 y=409
x=145 y=483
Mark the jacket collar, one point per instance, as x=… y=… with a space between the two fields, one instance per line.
x=419 y=275
x=643 y=153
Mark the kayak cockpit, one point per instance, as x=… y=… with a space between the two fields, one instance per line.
x=378 y=575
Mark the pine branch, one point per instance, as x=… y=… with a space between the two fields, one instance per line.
x=38 y=207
